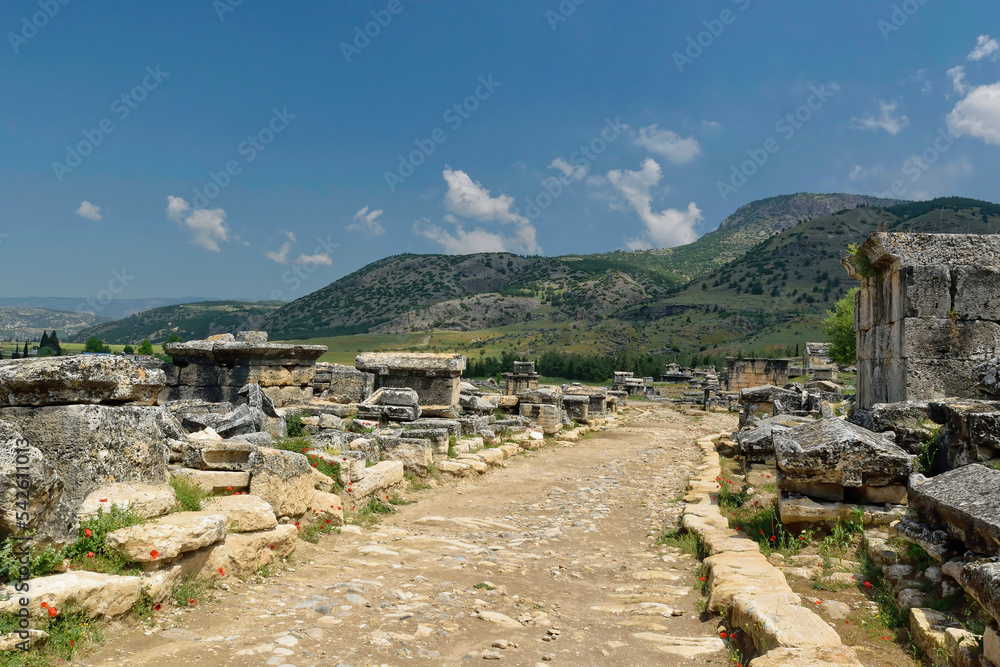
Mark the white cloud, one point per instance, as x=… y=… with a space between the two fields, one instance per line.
x=89 y=211
x=281 y=257
x=860 y=173
x=577 y=172
x=367 y=223
x=978 y=114
x=463 y=242
x=320 y=258
x=957 y=76
x=208 y=225
x=986 y=47
x=668 y=228
x=921 y=77
x=885 y=121
x=711 y=124
x=668 y=144
x=468 y=199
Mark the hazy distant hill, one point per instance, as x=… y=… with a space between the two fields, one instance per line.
x=29 y=323
x=189 y=321
x=116 y=309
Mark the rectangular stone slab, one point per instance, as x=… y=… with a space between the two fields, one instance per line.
x=965 y=503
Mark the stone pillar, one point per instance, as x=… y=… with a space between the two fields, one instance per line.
x=435 y=377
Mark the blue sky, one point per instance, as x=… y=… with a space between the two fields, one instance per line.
x=262 y=150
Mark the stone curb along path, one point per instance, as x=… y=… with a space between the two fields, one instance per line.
x=748 y=591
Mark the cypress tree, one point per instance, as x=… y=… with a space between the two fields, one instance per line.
x=25 y=349
x=54 y=343
x=45 y=340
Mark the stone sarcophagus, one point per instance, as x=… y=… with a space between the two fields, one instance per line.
x=216 y=370
x=435 y=377
x=745 y=373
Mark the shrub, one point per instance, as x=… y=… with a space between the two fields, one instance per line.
x=189 y=495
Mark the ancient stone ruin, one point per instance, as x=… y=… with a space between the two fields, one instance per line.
x=745 y=373
x=926 y=314
x=522 y=379
x=435 y=377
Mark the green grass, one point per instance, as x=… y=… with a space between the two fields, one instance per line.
x=369 y=513
x=189 y=495
x=191 y=591
x=321 y=525
x=69 y=632
x=686 y=541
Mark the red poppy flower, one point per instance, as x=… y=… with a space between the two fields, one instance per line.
x=87 y=532
x=328 y=521
x=772 y=538
x=190 y=600
x=819 y=602
x=702 y=579
x=53 y=612
x=157 y=606
x=303 y=450
x=229 y=488
x=154 y=554
x=90 y=554
x=868 y=584
x=722 y=634
x=104 y=500
x=352 y=508
x=272 y=546
x=44 y=605
x=72 y=643
x=221 y=572
x=314 y=465
x=338 y=506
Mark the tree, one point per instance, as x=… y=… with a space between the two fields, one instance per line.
x=146 y=348
x=54 y=343
x=45 y=352
x=45 y=340
x=25 y=355
x=839 y=329
x=128 y=349
x=95 y=345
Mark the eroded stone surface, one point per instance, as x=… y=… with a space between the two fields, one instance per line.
x=169 y=536
x=78 y=379
x=965 y=503
x=246 y=514
x=281 y=479
x=96 y=594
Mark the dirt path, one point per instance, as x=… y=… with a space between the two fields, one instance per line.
x=559 y=541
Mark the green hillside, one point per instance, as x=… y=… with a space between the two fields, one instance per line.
x=189 y=321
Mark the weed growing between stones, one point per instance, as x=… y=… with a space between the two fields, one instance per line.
x=396 y=499
x=485 y=586
x=681 y=539
x=89 y=552
x=41 y=563
x=452 y=441
x=416 y=484
x=889 y=617
x=433 y=472
x=294 y=424
x=368 y=514
x=189 y=495
x=321 y=525
x=191 y=591
x=928 y=452
x=69 y=630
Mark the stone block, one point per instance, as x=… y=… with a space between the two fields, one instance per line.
x=894 y=494
x=379 y=477
x=281 y=479
x=93 y=593
x=81 y=379
x=943 y=338
x=147 y=500
x=965 y=503
x=455 y=468
x=976 y=288
x=828 y=656
x=327 y=505
x=170 y=536
x=837 y=452
x=991 y=644
x=415 y=454
x=772 y=622
x=218 y=455
x=246 y=514
x=925 y=291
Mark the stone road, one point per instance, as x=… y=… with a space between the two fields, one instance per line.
x=548 y=561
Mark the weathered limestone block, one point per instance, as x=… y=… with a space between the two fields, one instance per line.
x=455 y=468
x=980 y=579
x=397 y=404
x=837 y=452
x=909 y=420
x=281 y=479
x=991 y=644
x=204 y=454
x=944 y=338
x=474 y=462
x=415 y=454
x=214 y=481
x=246 y=514
x=379 y=477
x=478 y=404
x=93 y=593
x=773 y=622
x=147 y=500
x=45 y=488
x=12 y=640
x=577 y=407
x=732 y=573
x=369 y=447
x=975 y=292
x=170 y=536
x=328 y=504
x=246 y=553
x=438 y=437
x=828 y=656
x=795 y=509
x=78 y=379
x=435 y=377
x=965 y=503
x=88 y=446
x=547 y=416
